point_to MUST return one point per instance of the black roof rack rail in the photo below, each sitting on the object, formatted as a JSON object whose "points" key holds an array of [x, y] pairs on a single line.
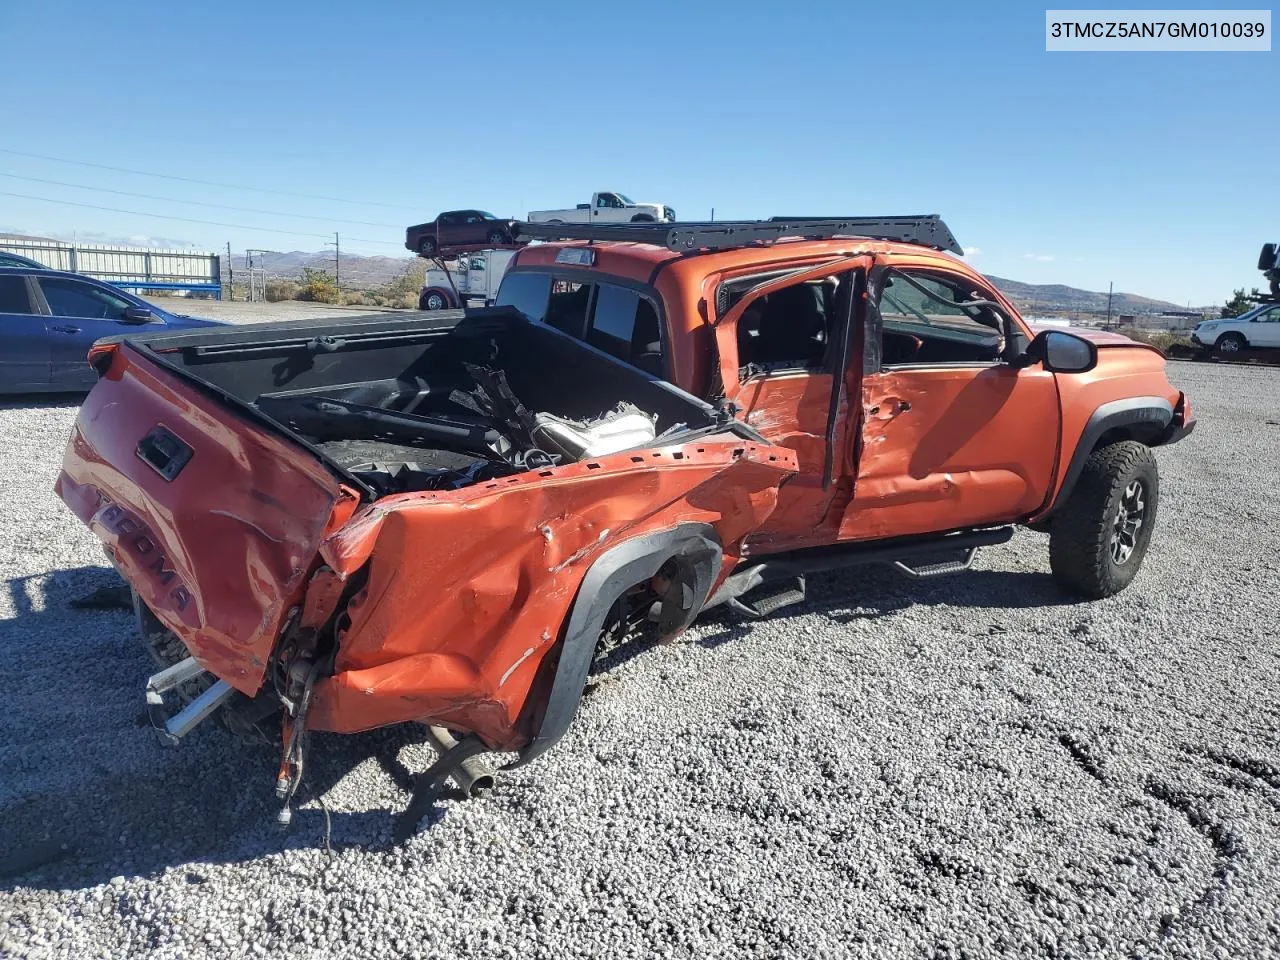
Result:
{"points": [[923, 230]]}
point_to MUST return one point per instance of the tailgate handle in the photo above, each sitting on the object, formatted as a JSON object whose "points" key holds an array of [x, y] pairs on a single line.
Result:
{"points": [[163, 452]]}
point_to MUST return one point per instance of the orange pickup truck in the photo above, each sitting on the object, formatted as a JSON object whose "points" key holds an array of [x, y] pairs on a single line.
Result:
{"points": [[439, 518]]}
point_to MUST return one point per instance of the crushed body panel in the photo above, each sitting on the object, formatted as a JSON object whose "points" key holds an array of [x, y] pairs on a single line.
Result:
{"points": [[467, 591], [220, 553]]}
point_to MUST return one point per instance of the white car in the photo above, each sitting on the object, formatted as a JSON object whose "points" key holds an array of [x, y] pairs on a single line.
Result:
{"points": [[607, 207], [1259, 328]]}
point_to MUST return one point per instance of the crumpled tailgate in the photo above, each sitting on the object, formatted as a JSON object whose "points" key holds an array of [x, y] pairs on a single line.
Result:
{"points": [[220, 551]]}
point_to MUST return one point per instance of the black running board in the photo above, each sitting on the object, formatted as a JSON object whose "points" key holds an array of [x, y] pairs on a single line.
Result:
{"points": [[926, 551]]}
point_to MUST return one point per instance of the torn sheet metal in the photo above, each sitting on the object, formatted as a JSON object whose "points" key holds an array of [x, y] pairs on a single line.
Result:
{"points": [[467, 590]]}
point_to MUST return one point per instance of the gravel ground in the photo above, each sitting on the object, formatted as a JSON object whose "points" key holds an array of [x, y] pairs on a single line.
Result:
{"points": [[975, 766]]}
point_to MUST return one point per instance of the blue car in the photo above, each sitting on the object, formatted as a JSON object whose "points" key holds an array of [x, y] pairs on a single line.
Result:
{"points": [[17, 260], [49, 319]]}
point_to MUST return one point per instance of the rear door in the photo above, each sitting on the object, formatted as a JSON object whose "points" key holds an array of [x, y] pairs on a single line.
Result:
{"points": [[24, 337], [80, 313], [789, 356], [448, 229]]}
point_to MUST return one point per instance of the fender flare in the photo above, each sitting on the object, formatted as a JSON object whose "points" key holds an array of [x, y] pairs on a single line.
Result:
{"points": [[613, 572], [1145, 418]]}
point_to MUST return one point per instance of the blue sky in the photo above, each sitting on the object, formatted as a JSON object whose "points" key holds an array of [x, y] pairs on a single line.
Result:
{"points": [[1155, 171]]}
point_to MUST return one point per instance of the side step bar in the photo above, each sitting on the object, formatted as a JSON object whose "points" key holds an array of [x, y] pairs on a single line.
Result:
{"points": [[172, 729], [935, 556], [939, 567]]}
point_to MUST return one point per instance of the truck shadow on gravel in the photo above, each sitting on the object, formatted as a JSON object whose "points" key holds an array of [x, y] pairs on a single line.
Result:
{"points": [[105, 799], [211, 800], [872, 592]]}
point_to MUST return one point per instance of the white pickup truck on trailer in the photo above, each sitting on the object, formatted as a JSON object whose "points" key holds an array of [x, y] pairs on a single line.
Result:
{"points": [[607, 207], [475, 279]]}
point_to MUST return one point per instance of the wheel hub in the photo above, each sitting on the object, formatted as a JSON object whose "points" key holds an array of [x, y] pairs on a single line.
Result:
{"points": [[1131, 511]]}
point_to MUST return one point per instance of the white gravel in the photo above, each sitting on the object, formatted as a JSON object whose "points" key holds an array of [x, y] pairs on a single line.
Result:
{"points": [[971, 767]]}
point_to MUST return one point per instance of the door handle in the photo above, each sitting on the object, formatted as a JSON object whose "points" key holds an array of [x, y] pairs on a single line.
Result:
{"points": [[65, 329]]}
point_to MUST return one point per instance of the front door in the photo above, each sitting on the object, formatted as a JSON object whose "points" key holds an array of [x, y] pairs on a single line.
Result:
{"points": [[789, 348], [1264, 331], [81, 313], [954, 435]]}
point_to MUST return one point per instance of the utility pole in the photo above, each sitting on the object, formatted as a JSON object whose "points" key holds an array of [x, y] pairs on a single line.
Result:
{"points": [[713, 214], [231, 275], [1110, 289], [337, 260]]}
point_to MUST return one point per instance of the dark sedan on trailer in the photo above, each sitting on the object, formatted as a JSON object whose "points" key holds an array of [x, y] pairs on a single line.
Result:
{"points": [[49, 319], [459, 228]]}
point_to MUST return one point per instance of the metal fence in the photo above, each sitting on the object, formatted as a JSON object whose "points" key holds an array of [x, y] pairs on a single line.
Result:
{"points": [[136, 268]]}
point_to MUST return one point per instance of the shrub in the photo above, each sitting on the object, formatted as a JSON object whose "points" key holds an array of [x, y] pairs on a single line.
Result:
{"points": [[318, 286], [1161, 339], [281, 290]]}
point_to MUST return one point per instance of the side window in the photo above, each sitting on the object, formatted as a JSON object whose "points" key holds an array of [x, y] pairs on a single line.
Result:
{"points": [[13, 295], [788, 329], [70, 299], [625, 325], [925, 320], [527, 292], [567, 308]]}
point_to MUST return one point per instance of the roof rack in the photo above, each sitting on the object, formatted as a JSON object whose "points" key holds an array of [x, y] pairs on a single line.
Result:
{"points": [[925, 230]]}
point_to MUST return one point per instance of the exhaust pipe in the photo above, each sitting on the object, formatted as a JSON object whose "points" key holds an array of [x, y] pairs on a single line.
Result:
{"points": [[471, 775], [172, 729]]}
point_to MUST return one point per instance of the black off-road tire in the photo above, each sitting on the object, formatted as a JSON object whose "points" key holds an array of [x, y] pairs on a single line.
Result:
{"points": [[427, 247], [497, 238], [1084, 537]]}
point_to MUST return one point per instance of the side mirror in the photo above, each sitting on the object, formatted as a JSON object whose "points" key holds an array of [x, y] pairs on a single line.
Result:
{"points": [[136, 315], [1062, 352]]}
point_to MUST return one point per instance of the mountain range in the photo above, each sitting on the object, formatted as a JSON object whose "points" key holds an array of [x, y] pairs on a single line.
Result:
{"points": [[1056, 298], [1032, 299]]}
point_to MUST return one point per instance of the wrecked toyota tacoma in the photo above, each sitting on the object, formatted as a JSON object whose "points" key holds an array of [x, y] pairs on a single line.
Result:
{"points": [[439, 518]]}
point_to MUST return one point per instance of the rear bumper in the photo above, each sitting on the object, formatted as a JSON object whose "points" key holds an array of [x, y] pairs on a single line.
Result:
{"points": [[1181, 424], [1177, 431]]}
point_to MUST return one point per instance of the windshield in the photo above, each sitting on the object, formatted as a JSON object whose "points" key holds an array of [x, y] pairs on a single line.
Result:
{"points": [[487, 215], [624, 198]]}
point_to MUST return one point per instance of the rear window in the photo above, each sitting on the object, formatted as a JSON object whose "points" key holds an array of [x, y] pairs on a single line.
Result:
{"points": [[567, 308], [13, 295], [620, 321], [527, 292]]}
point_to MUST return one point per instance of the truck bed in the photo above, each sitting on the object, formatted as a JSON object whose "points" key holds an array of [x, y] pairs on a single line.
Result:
{"points": [[218, 466], [428, 400]]}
